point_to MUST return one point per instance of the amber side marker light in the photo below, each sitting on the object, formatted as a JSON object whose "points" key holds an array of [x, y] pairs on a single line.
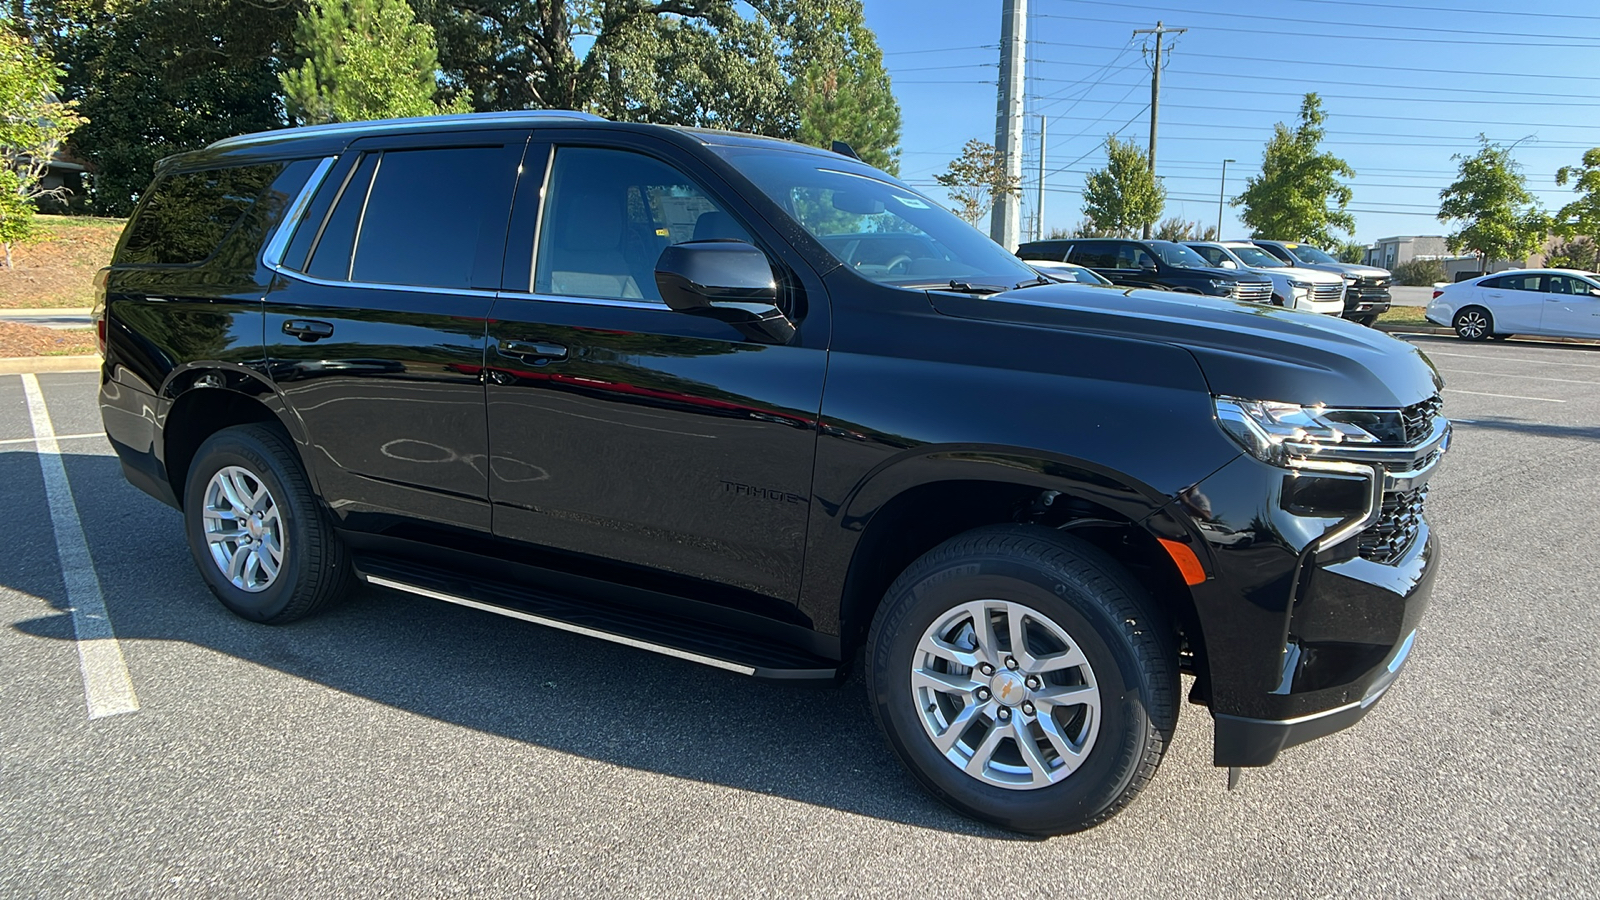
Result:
{"points": [[1188, 564]]}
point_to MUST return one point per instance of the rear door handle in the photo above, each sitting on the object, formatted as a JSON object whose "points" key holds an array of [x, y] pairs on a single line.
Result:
{"points": [[531, 351], [308, 329]]}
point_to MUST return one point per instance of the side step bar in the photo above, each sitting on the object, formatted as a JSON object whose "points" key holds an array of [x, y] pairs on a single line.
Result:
{"points": [[641, 629]]}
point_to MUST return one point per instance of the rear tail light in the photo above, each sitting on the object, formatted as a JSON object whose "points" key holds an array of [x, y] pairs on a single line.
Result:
{"points": [[1436, 294], [99, 313]]}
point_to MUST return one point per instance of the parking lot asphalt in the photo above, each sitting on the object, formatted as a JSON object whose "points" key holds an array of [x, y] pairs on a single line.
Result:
{"points": [[400, 747]]}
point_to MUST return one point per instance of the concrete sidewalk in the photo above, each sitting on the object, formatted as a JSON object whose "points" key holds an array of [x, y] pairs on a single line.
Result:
{"points": [[62, 317]]}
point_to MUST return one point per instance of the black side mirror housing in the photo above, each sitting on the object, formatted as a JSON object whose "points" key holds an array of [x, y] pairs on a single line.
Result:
{"points": [[730, 281]]}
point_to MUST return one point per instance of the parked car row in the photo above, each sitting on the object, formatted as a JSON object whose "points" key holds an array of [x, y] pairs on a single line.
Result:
{"points": [[1555, 302], [1283, 273]]}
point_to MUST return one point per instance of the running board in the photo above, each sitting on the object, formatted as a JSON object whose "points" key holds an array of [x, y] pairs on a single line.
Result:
{"points": [[678, 637]]}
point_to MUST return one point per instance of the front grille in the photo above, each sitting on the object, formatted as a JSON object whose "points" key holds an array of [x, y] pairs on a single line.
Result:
{"points": [[1396, 529], [1371, 288], [1322, 293], [1252, 291], [1417, 419]]}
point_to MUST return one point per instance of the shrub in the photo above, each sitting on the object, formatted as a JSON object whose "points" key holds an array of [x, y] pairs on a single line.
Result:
{"points": [[1419, 272]]}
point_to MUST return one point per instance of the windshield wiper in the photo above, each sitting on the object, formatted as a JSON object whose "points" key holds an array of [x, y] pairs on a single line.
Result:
{"points": [[968, 288], [1034, 283]]}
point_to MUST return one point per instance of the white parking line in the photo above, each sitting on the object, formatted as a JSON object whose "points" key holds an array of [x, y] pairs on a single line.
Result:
{"points": [[59, 437], [106, 683], [1510, 375], [1483, 357], [1507, 396]]}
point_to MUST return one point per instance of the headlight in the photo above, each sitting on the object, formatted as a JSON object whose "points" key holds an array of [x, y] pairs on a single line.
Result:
{"points": [[1300, 285], [1278, 432], [1349, 279], [1221, 284]]}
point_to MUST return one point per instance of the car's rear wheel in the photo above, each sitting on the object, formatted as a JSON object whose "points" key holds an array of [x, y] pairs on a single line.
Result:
{"points": [[1023, 678], [1473, 323], [259, 539]]}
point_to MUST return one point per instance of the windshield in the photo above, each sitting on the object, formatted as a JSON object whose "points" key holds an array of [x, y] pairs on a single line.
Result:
{"points": [[1180, 256], [1309, 254], [1258, 258], [878, 227]]}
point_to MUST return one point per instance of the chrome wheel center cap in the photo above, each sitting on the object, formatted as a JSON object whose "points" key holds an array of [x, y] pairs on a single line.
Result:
{"points": [[1008, 687]]}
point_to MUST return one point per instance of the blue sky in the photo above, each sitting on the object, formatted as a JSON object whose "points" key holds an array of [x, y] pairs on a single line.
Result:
{"points": [[1405, 85]]}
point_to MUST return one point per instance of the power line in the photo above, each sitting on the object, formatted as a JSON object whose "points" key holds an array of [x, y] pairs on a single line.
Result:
{"points": [[1566, 44], [1231, 90], [1457, 9], [941, 49], [1256, 17], [1341, 65]]}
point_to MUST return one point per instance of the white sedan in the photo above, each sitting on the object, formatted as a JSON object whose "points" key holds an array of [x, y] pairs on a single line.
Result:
{"points": [[1558, 302]]}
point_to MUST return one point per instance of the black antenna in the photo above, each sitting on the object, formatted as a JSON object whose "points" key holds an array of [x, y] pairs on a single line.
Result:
{"points": [[843, 149]]}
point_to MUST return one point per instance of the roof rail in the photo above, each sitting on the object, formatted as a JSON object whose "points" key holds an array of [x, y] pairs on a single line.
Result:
{"points": [[382, 126]]}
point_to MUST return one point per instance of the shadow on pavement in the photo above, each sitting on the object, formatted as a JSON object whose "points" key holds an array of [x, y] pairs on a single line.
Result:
{"points": [[1531, 429], [475, 670]]}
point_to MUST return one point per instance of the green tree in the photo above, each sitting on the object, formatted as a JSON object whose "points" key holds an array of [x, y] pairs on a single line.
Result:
{"points": [[33, 124], [364, 59], [1124, 197], [1351, 252], [841, 87], [1298, 195], [975, 179], [157, 77], [1498, 218], [1579, 253], [1581, 216], [1178, 229]]}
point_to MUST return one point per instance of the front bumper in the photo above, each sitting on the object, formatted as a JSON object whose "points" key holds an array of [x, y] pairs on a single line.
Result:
{"points": [[1360, 300], [1305, 621]]}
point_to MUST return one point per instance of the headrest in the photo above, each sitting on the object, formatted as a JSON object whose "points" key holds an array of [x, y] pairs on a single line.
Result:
{"points": [[717, 224]]}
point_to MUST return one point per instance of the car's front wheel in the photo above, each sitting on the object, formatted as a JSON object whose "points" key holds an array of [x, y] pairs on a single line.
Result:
{"points": [[1023, 677], [261, 543], [1474, 323]]}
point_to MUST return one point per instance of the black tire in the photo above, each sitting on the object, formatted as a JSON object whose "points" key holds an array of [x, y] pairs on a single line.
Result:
{"points": [[1367, 321], [1130, 647], [1499, 337], [1473, 323], [315, 567]]}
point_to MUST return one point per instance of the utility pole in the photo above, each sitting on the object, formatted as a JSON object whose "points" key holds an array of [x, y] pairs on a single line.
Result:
{"points": [[1160, 31], [1222, 192], [1005, 222], [1038, 206]]}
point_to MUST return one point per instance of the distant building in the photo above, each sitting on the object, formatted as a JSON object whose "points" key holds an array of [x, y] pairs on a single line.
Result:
{"points": [[1392, 251]]}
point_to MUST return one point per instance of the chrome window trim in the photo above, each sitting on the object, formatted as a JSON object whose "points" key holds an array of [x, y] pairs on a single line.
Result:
{"points": [[510, 118], [538, 218], [414, 288], [322, 227], [361, 219], [587, 301], [279, 242]]}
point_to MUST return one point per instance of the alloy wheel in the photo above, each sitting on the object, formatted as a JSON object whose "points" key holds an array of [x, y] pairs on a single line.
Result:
{"points": [[243, 528], [1006, 694], [1472, 325]]}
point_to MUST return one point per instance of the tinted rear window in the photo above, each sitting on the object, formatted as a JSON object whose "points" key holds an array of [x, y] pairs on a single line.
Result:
{"points": [[1094, 256], [425, 212], [187, 215]]}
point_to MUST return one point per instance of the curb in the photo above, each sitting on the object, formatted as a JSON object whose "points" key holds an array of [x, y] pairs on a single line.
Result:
{"points": [[18, 365], [1450, 332], [75, 312], [1413, 329]]}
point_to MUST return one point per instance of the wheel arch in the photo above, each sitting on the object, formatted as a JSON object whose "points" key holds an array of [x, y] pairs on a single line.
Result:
{"points": [[203, 398], [908, 509]]}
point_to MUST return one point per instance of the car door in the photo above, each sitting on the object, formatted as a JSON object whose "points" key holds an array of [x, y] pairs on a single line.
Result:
{"points": [[671, 450], [1571, 307], [375, 326], [1515, 301]]}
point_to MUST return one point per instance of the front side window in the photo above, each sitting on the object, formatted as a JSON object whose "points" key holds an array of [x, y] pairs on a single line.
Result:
{"points": [[1311, 255], [608, 215], [188, 215], [1257, 258], [1215, 257], [1179, 256], [877, 226], [1566, 284]]}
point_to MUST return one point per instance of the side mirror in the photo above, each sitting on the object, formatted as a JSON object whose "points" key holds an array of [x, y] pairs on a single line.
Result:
{"points": [[730, 281], [1148, 265]]}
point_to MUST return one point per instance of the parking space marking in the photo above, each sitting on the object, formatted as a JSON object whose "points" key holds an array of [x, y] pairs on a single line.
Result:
{"points": [[1484, 357], [59, 437], [1507, 396], [106, 684], [1529, 377]]}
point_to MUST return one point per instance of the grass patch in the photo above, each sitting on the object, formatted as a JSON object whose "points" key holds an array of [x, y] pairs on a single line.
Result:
{"points": [[1404, 315], [17, 339]]}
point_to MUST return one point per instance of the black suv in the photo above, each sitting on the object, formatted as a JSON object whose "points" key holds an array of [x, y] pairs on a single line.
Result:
{"points": [[1366, 293], [672, 388], [1163, 265]]}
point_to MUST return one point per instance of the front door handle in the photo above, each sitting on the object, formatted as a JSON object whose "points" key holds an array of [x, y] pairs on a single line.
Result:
{"points": [[308, 330], [531, 351]]}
